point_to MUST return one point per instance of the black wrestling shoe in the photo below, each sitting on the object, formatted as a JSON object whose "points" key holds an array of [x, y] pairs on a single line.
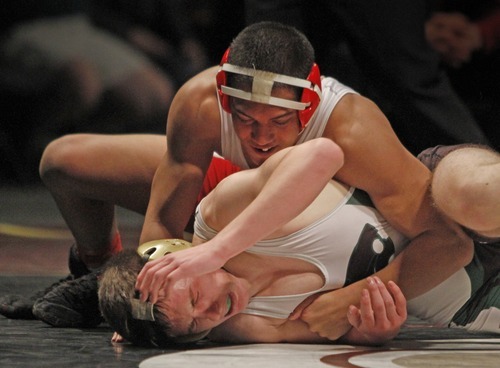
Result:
{"points": [[71, 304], [21, 307], [76, 266]]}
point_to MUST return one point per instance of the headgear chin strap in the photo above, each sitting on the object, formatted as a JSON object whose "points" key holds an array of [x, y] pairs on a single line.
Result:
{"points": [[262, 85]]}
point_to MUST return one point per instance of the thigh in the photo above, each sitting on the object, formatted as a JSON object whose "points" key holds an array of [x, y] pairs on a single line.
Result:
{"points": [[117, 169], [431, 156]]}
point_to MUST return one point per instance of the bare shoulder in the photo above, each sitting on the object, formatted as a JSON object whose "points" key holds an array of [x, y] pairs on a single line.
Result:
{"points": [[194, 117], [355, 119], [195, 104], [376, 161], [373, 153]]}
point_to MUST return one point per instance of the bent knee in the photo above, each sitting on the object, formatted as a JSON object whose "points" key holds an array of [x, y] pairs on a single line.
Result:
{"points": [[63, 156]]}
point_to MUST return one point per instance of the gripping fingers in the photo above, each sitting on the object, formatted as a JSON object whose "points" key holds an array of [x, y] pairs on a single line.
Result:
{"points": [[144, 275], [151, 279], [387, 306], [388, 303], [376, 290], [156, 282], [399, 299], [354, 316], [366, 310]]}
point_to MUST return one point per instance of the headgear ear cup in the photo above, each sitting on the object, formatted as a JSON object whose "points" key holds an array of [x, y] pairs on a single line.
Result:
{"points": [[158, 248], [311, 96], [221, 79]]}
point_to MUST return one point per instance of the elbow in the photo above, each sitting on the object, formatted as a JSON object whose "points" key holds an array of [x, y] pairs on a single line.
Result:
{"points": [[64, 159], [465, 247], [327, 155], [461, 246]]}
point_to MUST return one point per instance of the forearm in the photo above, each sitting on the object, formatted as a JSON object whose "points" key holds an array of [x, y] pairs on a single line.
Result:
{"points": [[286, 186], [438, 247], [420, 267], [427, 261], [172, 201]]}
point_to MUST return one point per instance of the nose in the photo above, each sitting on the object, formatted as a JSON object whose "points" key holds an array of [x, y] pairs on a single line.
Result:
{"points": [[262, 134]]}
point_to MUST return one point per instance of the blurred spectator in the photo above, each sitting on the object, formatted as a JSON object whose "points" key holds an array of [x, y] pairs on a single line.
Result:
{"points": [[457, 32], [215, 23], [59, 73], [466, 34], [182, 36], [379, 48], [163, 30]]}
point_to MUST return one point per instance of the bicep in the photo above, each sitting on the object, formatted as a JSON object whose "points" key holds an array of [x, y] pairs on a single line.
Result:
{"points": [[191, 142], [377, 162]]}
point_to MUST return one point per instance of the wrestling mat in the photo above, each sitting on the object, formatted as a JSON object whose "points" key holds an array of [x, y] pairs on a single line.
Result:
{"points": [[444, 353], [34, 243]]}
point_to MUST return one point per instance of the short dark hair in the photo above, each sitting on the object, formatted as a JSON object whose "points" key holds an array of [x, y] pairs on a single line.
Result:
{"points": [[272, 47], [116, 290]]}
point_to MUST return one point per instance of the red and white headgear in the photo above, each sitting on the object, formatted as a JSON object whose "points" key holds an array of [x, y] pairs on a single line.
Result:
{"points": [[262, 85]]}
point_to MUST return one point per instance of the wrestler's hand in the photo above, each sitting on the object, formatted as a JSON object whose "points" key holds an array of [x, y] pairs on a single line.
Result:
{"points": [[326, 314], [117, 337], [381, 314], [191, 262]]}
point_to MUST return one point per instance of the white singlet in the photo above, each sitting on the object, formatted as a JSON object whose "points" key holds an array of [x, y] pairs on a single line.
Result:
{"points": [[348, 244]]}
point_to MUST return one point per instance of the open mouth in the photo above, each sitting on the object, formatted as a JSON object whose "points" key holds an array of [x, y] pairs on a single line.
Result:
{"points": [[264, 150], [229, 304]]}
